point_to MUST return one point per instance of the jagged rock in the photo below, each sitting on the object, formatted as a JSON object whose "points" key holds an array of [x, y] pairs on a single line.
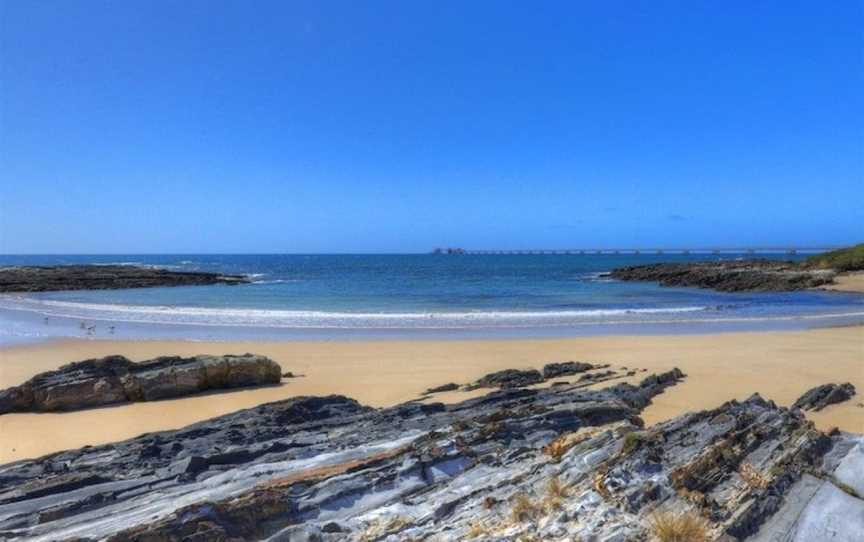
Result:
{"points": [[442, 388], [730, 276], [115, 379], [103, 277], [600, 375], [509, 378], [827, 394], [554, 370], [557, 463]]}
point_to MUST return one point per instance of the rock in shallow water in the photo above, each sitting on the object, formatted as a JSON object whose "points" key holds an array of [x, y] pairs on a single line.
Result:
{"points": [[115, 379]]}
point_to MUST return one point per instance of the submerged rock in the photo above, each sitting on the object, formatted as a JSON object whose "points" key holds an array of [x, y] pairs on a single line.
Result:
{"points": [[116, 379], [827, 394], [103, 277]]}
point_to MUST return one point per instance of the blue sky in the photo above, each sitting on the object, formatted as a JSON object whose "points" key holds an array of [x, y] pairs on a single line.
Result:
{"points": [[215, 126]]}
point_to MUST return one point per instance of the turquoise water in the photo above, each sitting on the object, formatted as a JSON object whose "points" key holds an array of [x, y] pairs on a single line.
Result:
{"points": [[337, 296]]}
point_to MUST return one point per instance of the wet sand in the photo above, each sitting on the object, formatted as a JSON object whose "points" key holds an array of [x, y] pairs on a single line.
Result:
{"points": [[779, 365]]}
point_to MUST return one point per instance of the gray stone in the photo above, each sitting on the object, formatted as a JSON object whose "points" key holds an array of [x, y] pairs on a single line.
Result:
{"points": [[115, 379]]}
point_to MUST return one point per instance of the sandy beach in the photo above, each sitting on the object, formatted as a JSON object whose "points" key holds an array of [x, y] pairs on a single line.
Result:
{"points": [[848, 282], [779, 365]]}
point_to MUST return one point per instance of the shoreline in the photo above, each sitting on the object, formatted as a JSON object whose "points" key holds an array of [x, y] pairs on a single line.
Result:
{"points": [[780, 365]]}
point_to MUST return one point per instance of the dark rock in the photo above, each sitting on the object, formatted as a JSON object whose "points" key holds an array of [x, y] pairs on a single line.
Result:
{"points": [[288, 374], [115, 379], [190, 465], [827, 394], [332, 527], [444, 387], [600, 375], [510, 378], [554, 370], [103, 277], [730, 276]]}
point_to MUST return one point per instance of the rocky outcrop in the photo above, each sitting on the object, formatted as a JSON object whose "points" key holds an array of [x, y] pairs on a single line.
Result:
{"points": [[316, 462], [558, 463], [730, 276], [827, 394], [509, 378], [103, 277], [566, 368], [115, 379], [451, 386]]}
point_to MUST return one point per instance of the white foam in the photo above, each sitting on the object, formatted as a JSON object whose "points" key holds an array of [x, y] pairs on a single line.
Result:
{"points": [[314, 319]]}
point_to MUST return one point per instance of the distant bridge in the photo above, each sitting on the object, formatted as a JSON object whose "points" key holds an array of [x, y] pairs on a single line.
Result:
{"points": [[649, 250]]}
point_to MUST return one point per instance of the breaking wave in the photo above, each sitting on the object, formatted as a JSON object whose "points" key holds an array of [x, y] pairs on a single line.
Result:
{"points": [[317, 319]]}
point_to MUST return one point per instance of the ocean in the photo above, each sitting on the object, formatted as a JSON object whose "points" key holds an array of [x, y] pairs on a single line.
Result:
{"points": [[424, 295]]}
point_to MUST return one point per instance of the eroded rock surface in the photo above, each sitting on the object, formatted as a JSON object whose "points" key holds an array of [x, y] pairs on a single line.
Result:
{"points": [[730, 276], [116, 379], [304, 462], [827, 394], [558, 463], [103, 277]]}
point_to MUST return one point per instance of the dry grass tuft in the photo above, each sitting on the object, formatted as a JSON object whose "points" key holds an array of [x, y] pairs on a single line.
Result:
{"points": [[558, 447], [379, 529], [477, 529], [599, 485], [525, 509], [678, 527], [555, 488], [752, 477], [556, 492]]}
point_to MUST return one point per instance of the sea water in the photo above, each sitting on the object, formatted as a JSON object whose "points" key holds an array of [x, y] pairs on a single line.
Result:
{"points": [[422, 295]]}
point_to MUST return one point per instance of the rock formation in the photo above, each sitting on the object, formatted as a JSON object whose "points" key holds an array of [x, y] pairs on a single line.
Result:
{"points": [[103, 277], [115, 379], [566, 368], [827, 394], [558, 463], [730, 276], [509, 378]]}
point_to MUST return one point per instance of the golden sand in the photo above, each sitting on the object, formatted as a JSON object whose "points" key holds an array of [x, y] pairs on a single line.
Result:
{"points": [[848, 282], [720, 367]]}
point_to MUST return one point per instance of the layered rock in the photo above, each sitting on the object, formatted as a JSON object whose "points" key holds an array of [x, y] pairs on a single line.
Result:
{"points": [[103, 277], [115, 379], [509, 378], [730, 276], [559, 463], [301, 462], [566, 368], [827, 394]]}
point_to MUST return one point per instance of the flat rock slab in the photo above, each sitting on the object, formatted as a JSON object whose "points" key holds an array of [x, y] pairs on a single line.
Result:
{"points": [[116, 379], [103, 277]]}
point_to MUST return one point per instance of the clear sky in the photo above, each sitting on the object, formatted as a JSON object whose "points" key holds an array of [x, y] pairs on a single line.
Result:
{"points": [[321, 126]]}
